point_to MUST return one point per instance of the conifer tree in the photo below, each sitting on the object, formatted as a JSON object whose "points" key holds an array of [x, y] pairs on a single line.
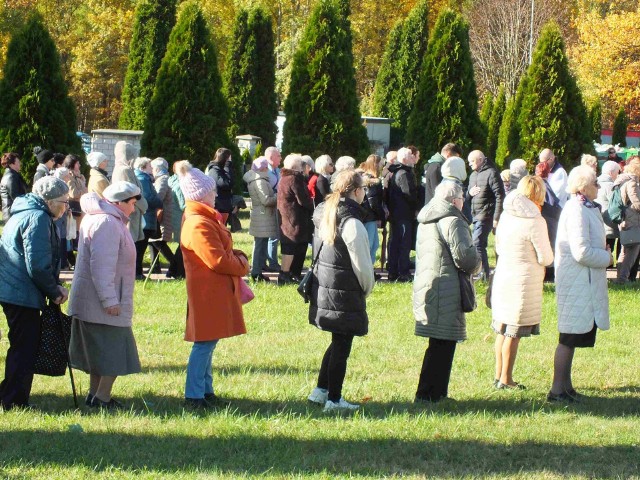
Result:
{"points": [[553, 114], [322, 106], [187, 115], [35, 109], [595, 119], [509, 133], [495, 121], [399, 75], [154, 20], [620, 124], [485, 111], [446, 104], [250, 77]]}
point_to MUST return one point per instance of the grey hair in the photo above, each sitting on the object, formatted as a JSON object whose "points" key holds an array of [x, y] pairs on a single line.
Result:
{"points": [[580, 178], [448, 191], [323, 162], [160, 163], [610, 167], [518, 167], [345, 163], [589, 161], [293, 161], [270, 150], [307, 160], [141, 163]]}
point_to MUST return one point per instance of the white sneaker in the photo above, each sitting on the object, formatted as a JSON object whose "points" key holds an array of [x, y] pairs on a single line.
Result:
{"points": [[319, 396], [341, 404]]}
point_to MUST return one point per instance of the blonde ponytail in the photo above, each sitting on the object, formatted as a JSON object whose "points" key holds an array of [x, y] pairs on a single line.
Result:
{"points": [[346, 182]]}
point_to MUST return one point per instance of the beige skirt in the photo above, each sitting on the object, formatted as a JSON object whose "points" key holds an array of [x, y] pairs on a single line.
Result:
{"points": [[103, 350]]}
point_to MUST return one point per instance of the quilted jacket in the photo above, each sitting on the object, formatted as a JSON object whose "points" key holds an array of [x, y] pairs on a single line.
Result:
{"points": [[436, 288], [523, 249], [165, 194], [630, 192], [581, 277], [124, 171], [263, 205]]}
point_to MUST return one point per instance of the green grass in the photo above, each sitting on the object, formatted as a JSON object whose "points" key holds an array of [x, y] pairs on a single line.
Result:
{"points": [[270, 431]]}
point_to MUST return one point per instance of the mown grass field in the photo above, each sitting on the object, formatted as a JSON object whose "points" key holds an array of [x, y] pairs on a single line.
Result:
{"points": [[270, 431]]}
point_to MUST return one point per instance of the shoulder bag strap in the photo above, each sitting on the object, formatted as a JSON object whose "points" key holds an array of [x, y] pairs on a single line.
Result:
{"points": [[446, 245]]}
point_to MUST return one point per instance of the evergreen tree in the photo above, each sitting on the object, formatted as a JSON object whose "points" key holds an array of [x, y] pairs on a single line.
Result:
{"points": [[509, 133], [620, 124], [152, 26], [595, 120], [495, 122], [187, 115], [446, 104], [553, 114], [35, 109], [399, 74], [485, 112], [322, 106], [250, 77]]}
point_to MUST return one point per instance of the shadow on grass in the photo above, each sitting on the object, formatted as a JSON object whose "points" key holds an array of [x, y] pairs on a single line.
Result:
{"points": [[284, 455], [234, 369]]}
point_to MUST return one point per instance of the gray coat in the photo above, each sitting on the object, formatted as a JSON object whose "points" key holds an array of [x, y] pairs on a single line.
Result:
{"points": [[124, 171], [436, 288], [165, 194], [263, 205]]}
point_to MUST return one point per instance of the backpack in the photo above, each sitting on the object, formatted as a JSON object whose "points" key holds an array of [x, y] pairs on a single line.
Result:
{"points": [[615, 211]]}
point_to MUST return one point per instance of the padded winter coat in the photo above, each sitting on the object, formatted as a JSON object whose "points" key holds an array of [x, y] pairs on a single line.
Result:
{"points": [[263, 222], [523, 248], [12, 186], [630, 193], [373, 200], [224, 185], [98, 181], [165, 194], [124, 171], [323, 188], [581, 276], [149, 219], [604, 197], [432, 176], [436, 288], [29, 254], [105, 268], [295, 207], [402, 192], [178, 206], [487, 204]]}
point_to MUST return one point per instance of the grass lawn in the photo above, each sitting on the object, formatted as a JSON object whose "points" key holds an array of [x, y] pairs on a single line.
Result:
{"points": [[270, 431]]}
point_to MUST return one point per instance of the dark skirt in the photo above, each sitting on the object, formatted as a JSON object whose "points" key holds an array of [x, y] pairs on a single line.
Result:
{"points": [[579, 340], [103, 350]]}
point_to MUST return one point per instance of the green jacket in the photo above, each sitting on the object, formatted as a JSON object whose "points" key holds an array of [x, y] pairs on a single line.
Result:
{"points": [[436, 288]]}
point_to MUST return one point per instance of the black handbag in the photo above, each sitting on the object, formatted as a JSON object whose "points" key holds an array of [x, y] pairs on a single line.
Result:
{"points": [[467, 290], [53, 353], [304, 287]]}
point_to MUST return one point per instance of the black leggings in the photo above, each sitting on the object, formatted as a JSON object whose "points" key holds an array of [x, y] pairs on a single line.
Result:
{"points": [[141, 247], [160, 247], [436, 370], [334, 365]]}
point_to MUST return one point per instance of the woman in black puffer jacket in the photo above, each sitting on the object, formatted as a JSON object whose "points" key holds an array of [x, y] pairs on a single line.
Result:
{"points": [[373, 202], [12, 184], [221, 170]]}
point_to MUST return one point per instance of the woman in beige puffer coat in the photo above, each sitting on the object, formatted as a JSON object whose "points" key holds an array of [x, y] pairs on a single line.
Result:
{"points": [[523, 248]]}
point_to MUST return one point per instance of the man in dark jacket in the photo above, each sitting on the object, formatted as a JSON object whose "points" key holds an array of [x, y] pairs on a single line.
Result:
{"points": [[432, 174], [402, 203], [486, 192]]}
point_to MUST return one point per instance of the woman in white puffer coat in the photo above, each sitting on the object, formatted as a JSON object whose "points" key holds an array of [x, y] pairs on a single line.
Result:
{"points": [[523, 248]]}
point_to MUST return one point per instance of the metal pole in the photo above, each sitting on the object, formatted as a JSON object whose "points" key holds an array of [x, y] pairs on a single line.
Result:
{"points": [[533, 3]]}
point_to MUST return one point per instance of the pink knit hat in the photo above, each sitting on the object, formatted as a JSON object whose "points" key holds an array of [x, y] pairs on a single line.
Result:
{"points": [[194, 184]]}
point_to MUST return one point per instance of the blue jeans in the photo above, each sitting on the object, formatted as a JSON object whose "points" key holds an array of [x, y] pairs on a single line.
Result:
{"points": [[199, 373], [259, 257], [372, 231], [401, 233], [481, 231], [272, 253]]}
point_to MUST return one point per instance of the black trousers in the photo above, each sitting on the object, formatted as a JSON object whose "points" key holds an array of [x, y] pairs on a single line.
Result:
{"points": [[176, 266], [298, 259], [334, 365], [24, 339], [160, 247], [141, 247], [433, 384], [612, 245]]}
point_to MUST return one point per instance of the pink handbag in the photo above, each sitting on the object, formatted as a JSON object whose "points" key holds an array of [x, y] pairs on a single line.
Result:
{"points": [[246, 294]]}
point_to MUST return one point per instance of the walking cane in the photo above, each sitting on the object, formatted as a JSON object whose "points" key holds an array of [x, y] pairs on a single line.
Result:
{"points": [[153, 264]]}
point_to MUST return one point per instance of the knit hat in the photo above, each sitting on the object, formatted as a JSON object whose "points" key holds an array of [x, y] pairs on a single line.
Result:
{"points": [[50, 187], [259, 163], [121, 191], [44, 156], [96, 158], [454, 168], [194, 184]]}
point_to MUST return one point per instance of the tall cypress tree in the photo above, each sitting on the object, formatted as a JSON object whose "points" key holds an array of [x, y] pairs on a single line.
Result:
{"points": [[35, 109], [250, 77], [553, 114], [187, 115], [399, 75], [509, 133], [152, 26], [620, 124], [495, 121], [595, 120], [322, 106], [485, 111], [446, 104]]}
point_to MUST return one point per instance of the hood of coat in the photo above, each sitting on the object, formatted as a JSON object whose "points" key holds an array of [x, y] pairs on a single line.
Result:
{"points": [[438, 209], [124, 153], [437, 158], [623, 177], [93, 204], [518, 205], [251, 176], [29, 202]]}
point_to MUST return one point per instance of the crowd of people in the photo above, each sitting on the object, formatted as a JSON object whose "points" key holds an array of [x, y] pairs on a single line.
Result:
{"points": [[548, 225]]}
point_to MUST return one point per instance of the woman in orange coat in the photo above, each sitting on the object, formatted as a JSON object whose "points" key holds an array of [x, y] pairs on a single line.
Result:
{"points": [[214, 271]]}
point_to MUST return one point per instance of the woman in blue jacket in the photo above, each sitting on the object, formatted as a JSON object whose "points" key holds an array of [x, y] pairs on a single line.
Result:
{"points": [[144, 174], [29, 269]]}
